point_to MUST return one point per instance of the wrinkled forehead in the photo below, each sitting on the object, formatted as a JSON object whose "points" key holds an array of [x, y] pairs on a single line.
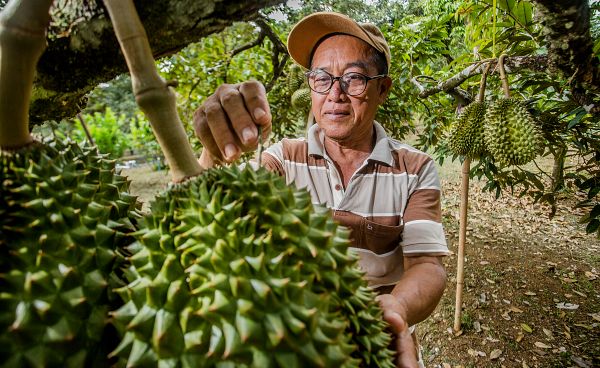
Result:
{"points": [[356, 50]]}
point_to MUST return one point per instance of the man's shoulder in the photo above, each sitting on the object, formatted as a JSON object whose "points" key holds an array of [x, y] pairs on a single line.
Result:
{"points": [[408, 157], [404, 148], [289, 149]]}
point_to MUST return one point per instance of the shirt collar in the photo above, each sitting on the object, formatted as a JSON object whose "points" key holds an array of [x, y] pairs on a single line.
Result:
{"points": [[381, 152]]}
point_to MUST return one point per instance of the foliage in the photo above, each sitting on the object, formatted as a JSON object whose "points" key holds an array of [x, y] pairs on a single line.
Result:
{"points": [[116, 94], [142, 140], [105, 130], [568, 128]]}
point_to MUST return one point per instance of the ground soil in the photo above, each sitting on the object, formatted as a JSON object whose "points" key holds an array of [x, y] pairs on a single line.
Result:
{"points": [[532, 284]]}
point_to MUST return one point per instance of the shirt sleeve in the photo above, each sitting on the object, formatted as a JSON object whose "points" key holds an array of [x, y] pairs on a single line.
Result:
{"points": [[423, 231], [272, 158]]}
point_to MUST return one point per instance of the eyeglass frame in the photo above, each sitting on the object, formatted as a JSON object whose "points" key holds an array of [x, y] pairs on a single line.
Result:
{"points": [[339, 79]]}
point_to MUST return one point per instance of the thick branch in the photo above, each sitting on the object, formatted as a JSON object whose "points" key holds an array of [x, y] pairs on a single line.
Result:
{"points": [[570, 46], [152, 93], [22, 41], [75, 63], [511, 64]]}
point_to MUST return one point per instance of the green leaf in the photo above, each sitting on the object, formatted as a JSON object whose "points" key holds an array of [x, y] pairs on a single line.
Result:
{"points": [[592, 226]]}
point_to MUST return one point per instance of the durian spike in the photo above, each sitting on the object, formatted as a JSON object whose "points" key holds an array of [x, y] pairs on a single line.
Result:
{"points": [[22, 41], [503, 77], [464, 208], [152, 93]]}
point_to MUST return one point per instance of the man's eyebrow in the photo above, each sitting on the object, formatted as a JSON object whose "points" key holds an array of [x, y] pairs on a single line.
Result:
{"points": [[357, 64], [354, 64]]}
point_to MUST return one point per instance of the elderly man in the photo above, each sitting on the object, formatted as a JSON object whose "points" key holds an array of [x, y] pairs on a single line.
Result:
{"points": [[387, 192]]}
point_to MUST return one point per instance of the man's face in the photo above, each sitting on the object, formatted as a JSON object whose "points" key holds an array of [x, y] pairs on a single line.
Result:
{"points": [[346, 118]]}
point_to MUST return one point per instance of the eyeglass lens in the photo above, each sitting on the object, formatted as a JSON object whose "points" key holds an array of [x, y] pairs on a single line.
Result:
{"points": [[351, 83]]}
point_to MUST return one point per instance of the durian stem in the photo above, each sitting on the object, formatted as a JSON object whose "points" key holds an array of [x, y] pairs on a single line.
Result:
{"points": [[482, 83], [464, 211], [462, 236], [152, 93], [22, 41], [503, 77]]}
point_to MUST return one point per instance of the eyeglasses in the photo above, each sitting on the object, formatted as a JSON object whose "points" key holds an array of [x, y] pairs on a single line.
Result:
{"points": [[352, 83]]}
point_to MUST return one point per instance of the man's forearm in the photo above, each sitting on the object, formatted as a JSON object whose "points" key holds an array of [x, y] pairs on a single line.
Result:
{"points": [[420, 289]]}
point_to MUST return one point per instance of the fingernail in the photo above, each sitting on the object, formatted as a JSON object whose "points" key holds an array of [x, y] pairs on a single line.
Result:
{"points": [[248, 134], [259, 113], [230, 151]]}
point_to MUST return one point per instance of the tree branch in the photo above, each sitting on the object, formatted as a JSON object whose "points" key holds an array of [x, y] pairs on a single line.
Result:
{"points": [[511, 64], [278, 49]]}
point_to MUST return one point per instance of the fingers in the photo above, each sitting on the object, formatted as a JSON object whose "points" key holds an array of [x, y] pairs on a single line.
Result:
{"points": [[226, 123], [202, 131], [255, 98], [404, 344]]}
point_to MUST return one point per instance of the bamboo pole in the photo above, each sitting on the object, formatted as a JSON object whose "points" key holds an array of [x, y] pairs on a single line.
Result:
{"points": [[22, 41], [152, 93], [464, 209]]}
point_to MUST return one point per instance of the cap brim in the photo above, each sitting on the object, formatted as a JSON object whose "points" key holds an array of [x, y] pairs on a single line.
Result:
{"points": [[310, 30]]}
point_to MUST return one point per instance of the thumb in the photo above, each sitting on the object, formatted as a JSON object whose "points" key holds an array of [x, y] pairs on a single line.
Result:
{"points": [[404, 344]]}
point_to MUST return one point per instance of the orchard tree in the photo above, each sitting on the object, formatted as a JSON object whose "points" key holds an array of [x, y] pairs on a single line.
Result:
{"points": [[439, 47]]}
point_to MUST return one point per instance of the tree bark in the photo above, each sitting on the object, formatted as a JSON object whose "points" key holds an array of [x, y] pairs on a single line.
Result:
{"points": [[570, 46], [89, 53]]}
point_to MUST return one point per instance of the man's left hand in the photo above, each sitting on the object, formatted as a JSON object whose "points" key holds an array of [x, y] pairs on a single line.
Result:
{"points": [[393, 313]]}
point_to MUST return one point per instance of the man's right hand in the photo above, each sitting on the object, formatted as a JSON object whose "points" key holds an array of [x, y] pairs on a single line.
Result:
{"points": [[227, 122]]}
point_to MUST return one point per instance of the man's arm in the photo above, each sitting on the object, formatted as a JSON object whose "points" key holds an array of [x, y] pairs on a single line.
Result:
{"points": [[421, 287]]}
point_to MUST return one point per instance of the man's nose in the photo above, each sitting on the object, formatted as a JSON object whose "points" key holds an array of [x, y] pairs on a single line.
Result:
{"points": [[336, 92]]}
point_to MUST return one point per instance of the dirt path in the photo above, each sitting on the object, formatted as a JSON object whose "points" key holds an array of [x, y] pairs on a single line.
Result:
{"points": [[532, 285]]}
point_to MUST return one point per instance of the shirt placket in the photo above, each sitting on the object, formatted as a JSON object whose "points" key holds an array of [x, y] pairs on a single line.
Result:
{"points": [[335, 183]]}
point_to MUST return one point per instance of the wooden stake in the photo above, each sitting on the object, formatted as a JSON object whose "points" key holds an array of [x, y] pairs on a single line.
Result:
{"points": [[22, 41], [462, 236], [152, 93], [464, 209]]}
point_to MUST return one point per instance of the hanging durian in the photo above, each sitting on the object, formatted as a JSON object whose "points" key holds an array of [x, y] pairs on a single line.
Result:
{"points": [[466, 135], [233, 268], [295, 77], [511, 134], [64, 215], [301, 99]]}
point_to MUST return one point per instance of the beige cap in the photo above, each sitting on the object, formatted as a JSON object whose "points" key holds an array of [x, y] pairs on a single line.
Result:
{"points": [[311, 29]]}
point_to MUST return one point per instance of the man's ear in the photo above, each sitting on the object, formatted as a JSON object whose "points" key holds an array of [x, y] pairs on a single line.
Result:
{"points": [[384, 88]]}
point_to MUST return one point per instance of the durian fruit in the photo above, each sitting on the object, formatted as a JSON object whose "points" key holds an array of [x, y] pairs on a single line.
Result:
{"points": [[295, 77], [236, 269], [466, 134], [301, 98], [65, 213], [511, 135]]}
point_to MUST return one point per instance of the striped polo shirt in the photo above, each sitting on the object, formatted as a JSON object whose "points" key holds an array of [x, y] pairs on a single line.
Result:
{"points": [[391, 203]]}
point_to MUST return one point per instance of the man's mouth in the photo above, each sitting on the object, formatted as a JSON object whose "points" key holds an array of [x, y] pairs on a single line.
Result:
{"points": [[337, 113]]}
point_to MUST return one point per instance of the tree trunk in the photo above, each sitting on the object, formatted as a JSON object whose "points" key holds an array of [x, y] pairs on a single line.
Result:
{"points": [[88, 53]]}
